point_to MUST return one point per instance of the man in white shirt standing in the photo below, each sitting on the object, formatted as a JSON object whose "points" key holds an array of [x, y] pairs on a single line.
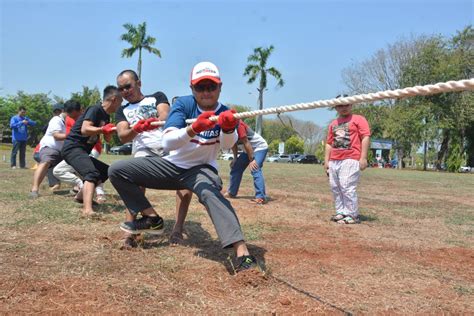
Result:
{"points": [[190, 165]]}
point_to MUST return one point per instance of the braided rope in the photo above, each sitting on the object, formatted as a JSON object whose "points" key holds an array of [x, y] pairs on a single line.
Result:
{"points": [[450, 86]]}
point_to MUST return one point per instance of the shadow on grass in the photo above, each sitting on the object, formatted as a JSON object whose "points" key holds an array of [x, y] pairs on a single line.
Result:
{"points": [[206, 246], [367, 218], [62, 193]]}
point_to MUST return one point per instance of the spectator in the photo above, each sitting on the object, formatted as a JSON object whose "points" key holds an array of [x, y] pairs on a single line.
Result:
{"points": [[346, 152], [19, 125]]}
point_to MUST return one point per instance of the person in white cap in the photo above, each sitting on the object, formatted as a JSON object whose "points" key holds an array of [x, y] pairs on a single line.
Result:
{"points": [[190, 165]]}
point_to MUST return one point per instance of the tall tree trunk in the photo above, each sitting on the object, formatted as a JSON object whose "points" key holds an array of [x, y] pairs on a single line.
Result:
{"points": [[425, 145], [443, 150], [470, 146], [140, 63], [259, 123], [400, 158]]}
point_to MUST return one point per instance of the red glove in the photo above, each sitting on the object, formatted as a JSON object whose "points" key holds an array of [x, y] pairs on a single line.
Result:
{"points": [[145, 125], [227, 121], [108, 129], [203, 123]]}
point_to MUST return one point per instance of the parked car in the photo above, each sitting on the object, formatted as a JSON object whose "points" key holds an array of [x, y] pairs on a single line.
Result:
{"points": [[466, 169], [125, 149], [293, 157], [279, 158], [307, 159]]}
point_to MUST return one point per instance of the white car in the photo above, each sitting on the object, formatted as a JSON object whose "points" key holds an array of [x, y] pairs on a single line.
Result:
{"points": [[279, 158], [465, 169]]}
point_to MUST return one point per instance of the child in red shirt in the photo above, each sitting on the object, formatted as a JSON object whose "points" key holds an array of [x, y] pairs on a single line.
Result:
{"points": [[347, 146]]}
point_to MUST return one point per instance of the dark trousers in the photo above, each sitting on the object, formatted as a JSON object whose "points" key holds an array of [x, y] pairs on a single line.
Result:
{"points": [[127, 176], [88, 167], [18, 145], [52, 180]]}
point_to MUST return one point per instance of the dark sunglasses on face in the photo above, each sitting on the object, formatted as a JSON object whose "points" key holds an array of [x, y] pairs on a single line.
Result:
{"points": [[210, 87], [125, 87]]}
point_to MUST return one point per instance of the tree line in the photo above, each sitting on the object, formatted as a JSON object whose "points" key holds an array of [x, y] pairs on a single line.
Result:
{"points": [[442, 125]]}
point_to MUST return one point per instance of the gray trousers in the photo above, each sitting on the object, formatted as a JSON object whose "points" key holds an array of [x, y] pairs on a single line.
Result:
{"points": [[157, 173]]}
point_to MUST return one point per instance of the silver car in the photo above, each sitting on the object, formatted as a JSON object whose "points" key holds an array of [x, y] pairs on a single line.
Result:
{"points": [[279, 158]]}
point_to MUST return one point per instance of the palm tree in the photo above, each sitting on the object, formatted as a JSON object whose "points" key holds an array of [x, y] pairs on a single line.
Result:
{"points": [[136, 36], [258, 68]]}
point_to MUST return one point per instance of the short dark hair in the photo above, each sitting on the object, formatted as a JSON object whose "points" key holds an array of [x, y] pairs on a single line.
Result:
{"points": [[131, 72], [21, 108], [72, 105], [110, 91]]}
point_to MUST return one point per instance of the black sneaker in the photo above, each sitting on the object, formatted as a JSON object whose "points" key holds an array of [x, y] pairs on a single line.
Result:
{"points": [[146, 224], [245, 263]]}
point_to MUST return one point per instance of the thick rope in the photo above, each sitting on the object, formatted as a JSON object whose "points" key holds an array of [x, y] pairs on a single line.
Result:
{"points": [[450, 86]]}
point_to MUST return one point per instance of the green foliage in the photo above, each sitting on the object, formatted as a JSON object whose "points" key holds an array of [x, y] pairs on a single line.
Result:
{"points": [[87, 96], [436, 119], [250, 121], [274, 130], [320, 150], [455, 158], [38, 108], [273, 146], [376, 115], [294, 144]]}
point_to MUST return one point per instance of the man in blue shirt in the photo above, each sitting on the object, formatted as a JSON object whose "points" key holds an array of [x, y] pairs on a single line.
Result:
{"points": [[190, 165], [19, 125]]}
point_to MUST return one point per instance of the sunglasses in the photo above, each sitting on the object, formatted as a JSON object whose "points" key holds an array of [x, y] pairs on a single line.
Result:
{"points": [[210, 87], [125, 87]]}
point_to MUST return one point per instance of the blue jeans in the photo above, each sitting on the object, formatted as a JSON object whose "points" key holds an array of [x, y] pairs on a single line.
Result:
{"points": [[238, 169], [18, 145]]}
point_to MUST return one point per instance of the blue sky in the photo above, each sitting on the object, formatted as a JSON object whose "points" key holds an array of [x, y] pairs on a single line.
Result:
{"points": [[59, 46]]}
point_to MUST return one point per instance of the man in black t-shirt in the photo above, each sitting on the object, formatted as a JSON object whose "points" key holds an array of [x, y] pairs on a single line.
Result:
{"points": [[82, 138]]}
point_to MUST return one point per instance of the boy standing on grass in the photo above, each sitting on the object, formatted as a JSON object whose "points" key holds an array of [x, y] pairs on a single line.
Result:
{"points": [[345, 156]]}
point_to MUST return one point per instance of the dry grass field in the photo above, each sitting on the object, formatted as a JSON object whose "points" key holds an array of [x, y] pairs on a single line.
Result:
{"points": [[412, 253]]}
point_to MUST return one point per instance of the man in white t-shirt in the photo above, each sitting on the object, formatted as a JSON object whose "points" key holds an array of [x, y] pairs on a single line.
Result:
{"points": [[147, 139], [50, 146]]}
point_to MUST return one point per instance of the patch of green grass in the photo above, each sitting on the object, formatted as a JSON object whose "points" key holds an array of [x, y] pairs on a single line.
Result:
{"points": [[464, 290], [252, 231], [460, 218], [456, 242], [255, 231], [44, 211]]}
